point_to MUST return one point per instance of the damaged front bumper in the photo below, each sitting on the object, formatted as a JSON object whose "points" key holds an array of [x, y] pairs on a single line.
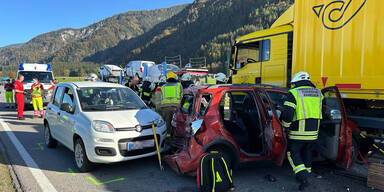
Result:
{"points": [[187, 161]]}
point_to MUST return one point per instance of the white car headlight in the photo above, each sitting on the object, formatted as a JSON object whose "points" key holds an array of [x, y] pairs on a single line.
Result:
{"points": [[159, 122], [102, 126]]}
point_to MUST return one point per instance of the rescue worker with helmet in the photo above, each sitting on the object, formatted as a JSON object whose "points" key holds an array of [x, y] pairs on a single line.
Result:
{"points": [[186, 80], [145, 91], [92, 77], [301, 117], [221, 78], [37, 98], [171, 94]]}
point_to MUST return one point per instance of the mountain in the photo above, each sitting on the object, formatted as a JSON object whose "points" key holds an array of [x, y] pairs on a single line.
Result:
{"points": [[205, 28], [72, 45]]}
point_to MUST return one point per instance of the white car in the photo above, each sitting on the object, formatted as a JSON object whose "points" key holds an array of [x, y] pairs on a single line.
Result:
{"points": [[110, 73], [101, 123], [156, 71], [136, 68]]}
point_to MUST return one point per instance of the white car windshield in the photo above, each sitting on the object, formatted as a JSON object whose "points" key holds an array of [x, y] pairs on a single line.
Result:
{"points": [[108, 99]]}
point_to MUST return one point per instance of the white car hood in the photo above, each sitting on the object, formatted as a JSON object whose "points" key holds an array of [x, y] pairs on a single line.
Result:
{"points": [[124, 119]]}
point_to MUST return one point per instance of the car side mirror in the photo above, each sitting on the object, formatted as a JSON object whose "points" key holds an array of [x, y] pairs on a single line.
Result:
{"points": [[66, 107]]}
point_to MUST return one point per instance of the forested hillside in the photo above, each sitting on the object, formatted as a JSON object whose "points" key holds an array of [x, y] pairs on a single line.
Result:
{"points": [[205, 28]]}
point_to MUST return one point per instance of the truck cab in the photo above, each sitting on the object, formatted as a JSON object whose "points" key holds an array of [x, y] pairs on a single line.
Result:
{"points": [[43, 72]]}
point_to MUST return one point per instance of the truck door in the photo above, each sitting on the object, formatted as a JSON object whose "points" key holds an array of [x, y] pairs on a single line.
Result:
{"points": [[334, 139]]}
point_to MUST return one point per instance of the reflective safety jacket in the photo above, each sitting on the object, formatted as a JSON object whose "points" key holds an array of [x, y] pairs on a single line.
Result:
{"points": [[37, 90], [171, 94], [211, 81], [145, 91], [302, 113]]}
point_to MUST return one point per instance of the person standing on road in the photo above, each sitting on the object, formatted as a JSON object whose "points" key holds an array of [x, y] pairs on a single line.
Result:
{"points": [[221, 78], [133, 84], [8, 87], [53, 84], [171, 94], [301, 116], [145, 91], [186, 80], [19, 95], [37, 98]]}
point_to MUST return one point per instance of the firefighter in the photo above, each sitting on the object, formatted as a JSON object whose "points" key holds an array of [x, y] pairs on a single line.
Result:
{"points": [[221, 78], [157, 95], [301, 116], [19, 95], [186, 80], [8, 87], [37, 98], [171, 94], [145, 91], [92, 77]]}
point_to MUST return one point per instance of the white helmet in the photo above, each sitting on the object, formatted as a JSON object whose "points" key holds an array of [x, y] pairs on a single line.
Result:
{"points": [[186, 77], [221, 77], [300, 76], [91, 77]]}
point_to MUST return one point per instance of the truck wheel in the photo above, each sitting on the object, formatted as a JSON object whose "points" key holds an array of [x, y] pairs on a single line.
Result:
{"points": [[49, 141], [81, 160]]}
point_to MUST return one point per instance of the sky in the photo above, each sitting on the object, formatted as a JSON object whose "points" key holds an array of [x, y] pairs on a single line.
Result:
{"points": [[21, 20]]}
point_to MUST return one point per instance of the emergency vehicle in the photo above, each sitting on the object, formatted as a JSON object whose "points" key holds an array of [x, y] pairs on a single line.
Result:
{"points": [[43, 72]]}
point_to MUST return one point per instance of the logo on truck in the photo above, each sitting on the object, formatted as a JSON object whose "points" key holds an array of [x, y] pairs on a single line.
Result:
{"points": [[336, 14]]}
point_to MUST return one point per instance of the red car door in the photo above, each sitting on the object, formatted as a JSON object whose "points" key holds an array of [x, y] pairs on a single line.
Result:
{"points": [[335, 137], [274, 131]]}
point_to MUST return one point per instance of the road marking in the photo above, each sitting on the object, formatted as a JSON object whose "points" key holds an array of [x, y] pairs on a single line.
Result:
{"points": [[69, 171], [41, 147], [110, 181], [39, 176]]}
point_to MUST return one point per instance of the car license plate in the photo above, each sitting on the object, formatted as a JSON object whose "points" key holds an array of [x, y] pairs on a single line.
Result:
{"points": [[140, 144]]}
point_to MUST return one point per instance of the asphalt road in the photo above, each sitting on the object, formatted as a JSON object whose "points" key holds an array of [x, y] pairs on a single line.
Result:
{"points": [[55, 167]]}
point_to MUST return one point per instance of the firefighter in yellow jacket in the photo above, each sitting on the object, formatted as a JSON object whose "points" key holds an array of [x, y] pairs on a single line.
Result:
{"points": [[37, 98], [171, 94], [301, 116]]}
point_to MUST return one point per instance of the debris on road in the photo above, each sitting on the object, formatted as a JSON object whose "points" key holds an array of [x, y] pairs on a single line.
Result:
{"points": [[270, 178]]}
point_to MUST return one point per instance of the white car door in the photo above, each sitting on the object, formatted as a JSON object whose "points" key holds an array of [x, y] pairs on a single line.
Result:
{"points": [[54, 113], [67, 117]]}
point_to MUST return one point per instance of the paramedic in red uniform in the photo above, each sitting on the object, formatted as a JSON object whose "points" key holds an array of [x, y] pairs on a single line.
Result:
{"points": [[19, 94]]}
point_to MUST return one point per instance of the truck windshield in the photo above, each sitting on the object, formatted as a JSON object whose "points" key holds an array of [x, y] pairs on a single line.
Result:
{"points": [[43, 77], [108, 99]]}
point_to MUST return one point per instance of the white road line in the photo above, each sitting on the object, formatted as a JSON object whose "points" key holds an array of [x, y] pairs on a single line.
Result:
{"points": [[40, 178]]}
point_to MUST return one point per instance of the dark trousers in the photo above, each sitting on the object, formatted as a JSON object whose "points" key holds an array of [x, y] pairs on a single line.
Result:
{"points": [[299, 154]]}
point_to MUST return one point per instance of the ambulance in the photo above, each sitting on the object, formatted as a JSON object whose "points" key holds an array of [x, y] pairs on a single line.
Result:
{"points": [[43, 72]]}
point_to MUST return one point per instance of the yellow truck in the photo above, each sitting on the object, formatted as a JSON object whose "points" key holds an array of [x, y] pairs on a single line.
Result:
{"points": [[338, 42]]}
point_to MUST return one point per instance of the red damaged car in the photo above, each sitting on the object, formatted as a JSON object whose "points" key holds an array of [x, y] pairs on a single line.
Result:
{"points": [[242, 122]]}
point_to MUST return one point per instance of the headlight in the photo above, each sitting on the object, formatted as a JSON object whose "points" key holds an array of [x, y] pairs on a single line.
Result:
{"points": [[159, 122], [102, 126]]}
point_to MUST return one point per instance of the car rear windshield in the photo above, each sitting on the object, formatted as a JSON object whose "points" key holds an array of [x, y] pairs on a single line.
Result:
{"points": [[108, 99], [43, 77]]}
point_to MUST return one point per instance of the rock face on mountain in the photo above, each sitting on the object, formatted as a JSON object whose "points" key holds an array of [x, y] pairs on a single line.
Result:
{"points": [[205, 28]]}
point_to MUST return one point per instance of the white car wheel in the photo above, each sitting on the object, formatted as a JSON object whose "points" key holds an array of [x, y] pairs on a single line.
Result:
{"points": [[49, 141], [81, 159]]}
